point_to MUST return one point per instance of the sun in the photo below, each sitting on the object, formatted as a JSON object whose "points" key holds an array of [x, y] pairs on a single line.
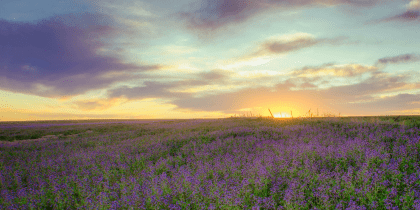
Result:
{"points": [[282, 115]]}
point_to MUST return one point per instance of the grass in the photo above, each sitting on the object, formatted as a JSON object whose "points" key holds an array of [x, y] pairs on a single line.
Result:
{"points": [[235, 163]]}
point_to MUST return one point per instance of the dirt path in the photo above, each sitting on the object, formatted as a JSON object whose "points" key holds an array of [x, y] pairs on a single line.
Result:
{"points": [[47, 137]]}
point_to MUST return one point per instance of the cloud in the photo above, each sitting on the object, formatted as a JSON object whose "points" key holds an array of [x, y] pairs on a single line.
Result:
{"points": [[296, 91], [58, 56], [308, 85], [406, 58], [391, 104], [150, 90], [212, 15], [406, 16], [299, 89], [377, 83], [413, 5], [97, 104], [215, 14], [348, 70], [215, 75], [169, 90], [284, 46], [230, 101], [350, 99], [412, 13], [278, 45]]}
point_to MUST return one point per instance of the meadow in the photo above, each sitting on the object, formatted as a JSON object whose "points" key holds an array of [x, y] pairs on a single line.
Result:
{"points": [[233, 163]]}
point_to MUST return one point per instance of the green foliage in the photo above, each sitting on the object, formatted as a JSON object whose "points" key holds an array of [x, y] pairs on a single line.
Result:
{"points": [[174, 148], [67, 143], [157, 131], [88, 144], [69, 132], [161, 169], [235, 134], [407, 165], [412, 123], [374, 162], [137, 165], [141, 132], [206, 139], [34, 135], [264, 190]]}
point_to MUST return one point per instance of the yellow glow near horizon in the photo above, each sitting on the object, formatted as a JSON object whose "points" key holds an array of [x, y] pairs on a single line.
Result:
{"points": [[282, 115]]}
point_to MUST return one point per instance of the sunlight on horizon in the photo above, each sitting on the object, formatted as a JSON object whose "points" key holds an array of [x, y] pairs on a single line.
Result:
{"points": [[282, 115]]}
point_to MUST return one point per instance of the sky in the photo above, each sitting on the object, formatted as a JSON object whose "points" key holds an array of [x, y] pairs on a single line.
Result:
{"points": [[184, 59]]}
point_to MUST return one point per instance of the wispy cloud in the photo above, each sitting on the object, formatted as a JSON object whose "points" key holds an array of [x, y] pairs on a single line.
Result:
{"points": [[284, 45], [97, 104], [406, 58], [348, 70]]}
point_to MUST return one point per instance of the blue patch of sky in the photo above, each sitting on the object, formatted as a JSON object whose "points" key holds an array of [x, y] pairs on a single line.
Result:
{"points": [[29, 11]]}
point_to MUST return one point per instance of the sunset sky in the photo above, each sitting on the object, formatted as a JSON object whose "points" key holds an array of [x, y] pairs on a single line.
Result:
{"points": [[181, 59]]}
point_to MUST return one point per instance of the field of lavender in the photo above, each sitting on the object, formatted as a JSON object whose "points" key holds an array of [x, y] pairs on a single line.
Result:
{"points": [[322, 163]]}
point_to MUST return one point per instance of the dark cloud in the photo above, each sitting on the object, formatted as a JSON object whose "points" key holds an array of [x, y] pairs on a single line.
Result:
{"points": [[411, 14], [406, 58], [282, 47], [58, 56], [214, 75], [150, 90], [276, 47], [214, 14]]}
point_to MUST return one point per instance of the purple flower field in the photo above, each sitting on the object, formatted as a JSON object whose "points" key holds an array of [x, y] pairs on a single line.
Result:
{"points": [[215, 164]]}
